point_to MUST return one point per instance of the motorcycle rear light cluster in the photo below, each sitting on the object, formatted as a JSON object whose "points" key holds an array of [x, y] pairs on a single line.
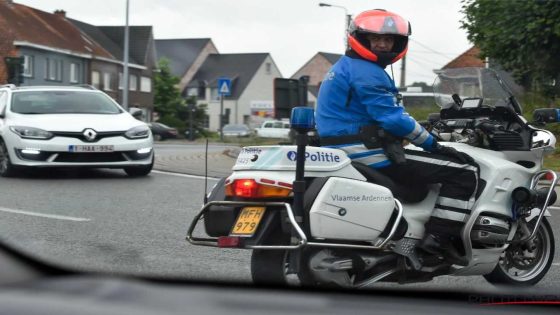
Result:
{"points": [[229, 241], [249, 188]]}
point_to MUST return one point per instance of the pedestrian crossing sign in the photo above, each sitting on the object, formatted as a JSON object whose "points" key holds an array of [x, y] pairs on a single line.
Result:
{"points": [[224, 86]]}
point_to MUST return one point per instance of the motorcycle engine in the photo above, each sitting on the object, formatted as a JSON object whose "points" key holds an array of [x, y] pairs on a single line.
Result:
{"points": [[489, 231]]}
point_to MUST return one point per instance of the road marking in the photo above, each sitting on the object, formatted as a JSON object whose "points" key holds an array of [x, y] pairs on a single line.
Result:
{"points": [[44, 215], [187, 175], [553, 208], [556, 264]]}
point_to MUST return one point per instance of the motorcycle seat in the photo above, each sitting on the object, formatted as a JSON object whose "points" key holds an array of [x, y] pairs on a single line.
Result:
{"points": [[408, 193]]}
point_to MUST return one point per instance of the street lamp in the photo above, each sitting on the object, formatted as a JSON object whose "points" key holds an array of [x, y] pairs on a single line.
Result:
{"points": [[348, 17], [125, 63]]}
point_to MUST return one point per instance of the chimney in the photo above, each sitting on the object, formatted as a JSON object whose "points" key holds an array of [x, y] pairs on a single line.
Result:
{"points": [[60, 13]]}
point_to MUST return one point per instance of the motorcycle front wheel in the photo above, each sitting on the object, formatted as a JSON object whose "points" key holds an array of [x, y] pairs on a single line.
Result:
{"points": [[526, 264]]}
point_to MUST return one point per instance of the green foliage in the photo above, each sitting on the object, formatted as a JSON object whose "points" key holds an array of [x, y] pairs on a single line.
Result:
{"points": [[167, 97], [173, 109], [522, 36]]}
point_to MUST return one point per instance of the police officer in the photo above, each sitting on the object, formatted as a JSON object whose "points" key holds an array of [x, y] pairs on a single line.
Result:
{"points": [[357, 95]]}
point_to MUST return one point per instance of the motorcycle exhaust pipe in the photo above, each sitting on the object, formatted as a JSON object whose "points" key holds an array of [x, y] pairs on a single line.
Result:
{"points": [[531, 197]]}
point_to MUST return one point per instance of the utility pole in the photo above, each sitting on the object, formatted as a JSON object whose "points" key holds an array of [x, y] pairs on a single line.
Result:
{"points": [[403, 72], [125, 66]]}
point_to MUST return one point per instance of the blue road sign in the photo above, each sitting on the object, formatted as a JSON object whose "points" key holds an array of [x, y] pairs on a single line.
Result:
{"points": [[224, 86]]}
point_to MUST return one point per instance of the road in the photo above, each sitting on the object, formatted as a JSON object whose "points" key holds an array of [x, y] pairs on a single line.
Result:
{"points": [[102, 220]]}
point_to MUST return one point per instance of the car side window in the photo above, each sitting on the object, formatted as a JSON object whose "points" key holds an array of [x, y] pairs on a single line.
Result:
{"points": [[3, 102], [286, 125], [277, 125], [268, 125]]}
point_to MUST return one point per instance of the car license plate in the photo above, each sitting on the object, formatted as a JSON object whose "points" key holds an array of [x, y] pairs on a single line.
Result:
{"points": [[248, 221], [90, 148]]}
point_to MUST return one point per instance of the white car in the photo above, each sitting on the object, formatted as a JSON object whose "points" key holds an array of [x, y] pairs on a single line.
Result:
{"points": [[55, 126]]}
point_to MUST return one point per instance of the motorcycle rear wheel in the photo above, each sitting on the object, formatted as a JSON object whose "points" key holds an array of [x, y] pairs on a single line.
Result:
{"points": [[268, 267], [534, 269]]}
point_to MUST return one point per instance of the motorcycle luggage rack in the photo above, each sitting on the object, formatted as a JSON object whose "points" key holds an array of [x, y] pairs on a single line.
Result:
{"points": [[213, 241], [534, 182]]}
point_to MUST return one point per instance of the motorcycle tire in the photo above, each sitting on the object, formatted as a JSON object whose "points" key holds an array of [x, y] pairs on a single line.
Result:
{"points": [[269, 266], [499, 276]]}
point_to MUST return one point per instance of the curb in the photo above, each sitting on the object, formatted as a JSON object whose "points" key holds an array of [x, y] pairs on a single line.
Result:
{"points": [[232, 152]]}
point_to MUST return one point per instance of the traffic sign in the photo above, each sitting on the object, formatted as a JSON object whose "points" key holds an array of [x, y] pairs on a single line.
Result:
{"points": [[224, 86]]}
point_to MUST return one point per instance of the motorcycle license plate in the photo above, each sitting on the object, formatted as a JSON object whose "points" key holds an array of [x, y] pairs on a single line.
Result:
{"points": [[248, 221]]}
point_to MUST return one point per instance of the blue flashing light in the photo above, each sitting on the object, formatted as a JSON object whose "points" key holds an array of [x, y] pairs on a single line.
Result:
{"points": [[302, 118], [557, 115]]}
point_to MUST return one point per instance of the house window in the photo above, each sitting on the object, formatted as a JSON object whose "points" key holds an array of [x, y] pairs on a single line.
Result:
{"points": [[54, 69], [107, 81], [268, 67], [133, 83], [192, 92], [95, 79], [145, 84], [74, 73], [120, 81], [27, 66]]}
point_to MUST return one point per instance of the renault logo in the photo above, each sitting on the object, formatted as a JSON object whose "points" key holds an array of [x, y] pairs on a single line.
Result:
{"points": [[89, 134]]}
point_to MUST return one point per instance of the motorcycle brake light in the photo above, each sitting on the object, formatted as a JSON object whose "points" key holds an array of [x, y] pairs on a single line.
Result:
{"points": [[229, 241], [249, 188]]}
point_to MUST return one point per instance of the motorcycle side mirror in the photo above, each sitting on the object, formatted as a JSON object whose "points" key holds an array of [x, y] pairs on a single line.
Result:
{"points": [[546, 115]]}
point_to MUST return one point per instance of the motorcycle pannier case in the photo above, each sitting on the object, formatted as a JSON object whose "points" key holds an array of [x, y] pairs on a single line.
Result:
{"points": [[347, 209]]}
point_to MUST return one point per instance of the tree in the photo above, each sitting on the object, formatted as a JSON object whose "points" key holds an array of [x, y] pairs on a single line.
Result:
{"points": [[169, 103], [522, 36], [167, 98]]}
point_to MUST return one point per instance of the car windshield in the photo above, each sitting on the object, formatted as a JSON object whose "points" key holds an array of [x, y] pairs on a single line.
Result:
{"points": [[222, 188], [62, 102]]}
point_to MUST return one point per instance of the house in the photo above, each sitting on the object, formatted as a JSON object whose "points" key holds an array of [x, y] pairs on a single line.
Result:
{"points": [[53, 51], [185, 56], [252, 76], [56, 50], [108, 76], [316, 68]]}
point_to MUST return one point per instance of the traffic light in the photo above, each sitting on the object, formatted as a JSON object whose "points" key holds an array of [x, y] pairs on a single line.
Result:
{"points": [[15, 69]]}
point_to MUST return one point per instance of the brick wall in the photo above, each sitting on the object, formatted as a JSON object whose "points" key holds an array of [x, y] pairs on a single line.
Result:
{"points": [[7, 48]]}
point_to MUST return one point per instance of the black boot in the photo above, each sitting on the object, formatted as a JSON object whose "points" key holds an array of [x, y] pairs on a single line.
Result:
{"points": [[443, 246]]}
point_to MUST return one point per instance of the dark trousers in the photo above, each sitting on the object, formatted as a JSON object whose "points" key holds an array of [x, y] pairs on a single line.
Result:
{"points": [[457, 193]]}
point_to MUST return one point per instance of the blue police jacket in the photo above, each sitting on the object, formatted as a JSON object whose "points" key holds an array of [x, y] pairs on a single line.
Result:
{"points": [[355, 93]]}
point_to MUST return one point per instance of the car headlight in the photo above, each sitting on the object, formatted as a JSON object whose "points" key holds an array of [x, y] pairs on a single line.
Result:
{"points": [[138, 132], [31, 132]]}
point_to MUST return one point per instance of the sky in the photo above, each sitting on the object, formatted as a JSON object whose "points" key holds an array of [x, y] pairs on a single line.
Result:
{"points": [[292, 31]]}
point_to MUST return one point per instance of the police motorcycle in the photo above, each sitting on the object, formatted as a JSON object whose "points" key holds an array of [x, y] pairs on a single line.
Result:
{"points": [[311, 212]]}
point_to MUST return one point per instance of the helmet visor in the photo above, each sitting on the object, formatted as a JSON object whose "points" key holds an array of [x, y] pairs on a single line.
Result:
{"points": [[381, 22]]}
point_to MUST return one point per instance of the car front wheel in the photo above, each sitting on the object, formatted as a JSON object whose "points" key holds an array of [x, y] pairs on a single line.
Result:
{"points": [[7, 169], [138, 171]]}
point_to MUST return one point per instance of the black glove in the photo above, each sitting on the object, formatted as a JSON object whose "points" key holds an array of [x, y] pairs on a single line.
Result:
{"points": [[451, 152]]}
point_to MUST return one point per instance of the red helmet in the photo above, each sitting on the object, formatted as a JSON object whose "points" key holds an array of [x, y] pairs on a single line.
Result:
{"points": [[382, 22]]}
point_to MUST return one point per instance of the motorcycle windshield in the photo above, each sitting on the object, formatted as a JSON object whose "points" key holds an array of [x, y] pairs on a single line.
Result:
{"points": [[473, 83]]}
